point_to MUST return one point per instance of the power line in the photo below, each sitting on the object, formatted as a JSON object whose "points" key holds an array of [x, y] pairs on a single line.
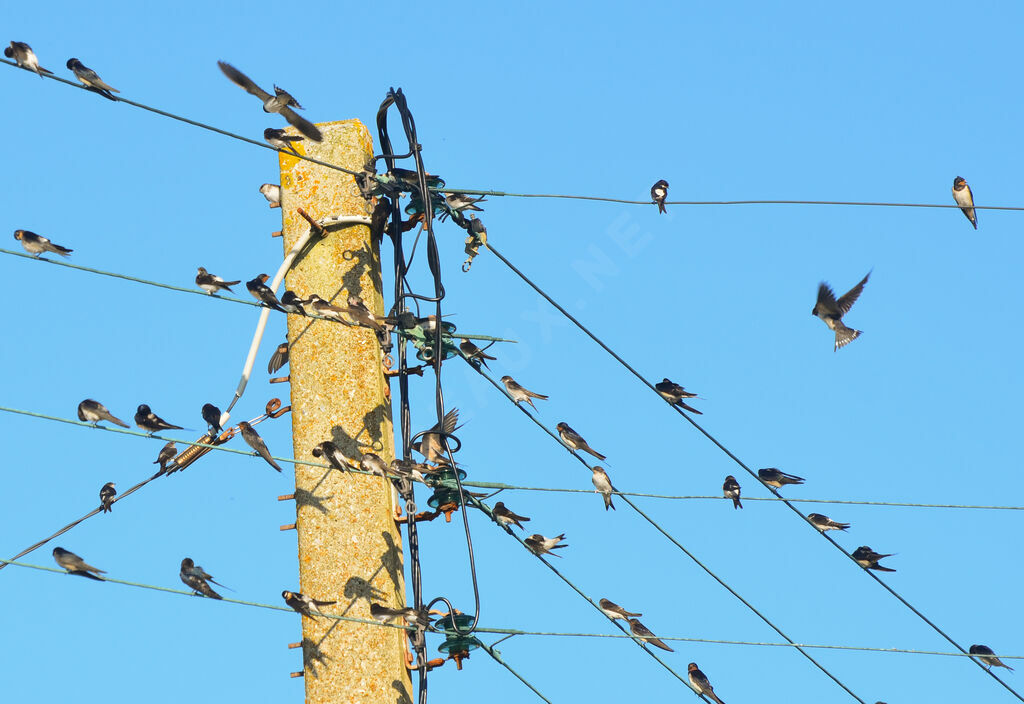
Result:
{"points": [[521, 632], [735, 459], [496, 655], [672, 539]]}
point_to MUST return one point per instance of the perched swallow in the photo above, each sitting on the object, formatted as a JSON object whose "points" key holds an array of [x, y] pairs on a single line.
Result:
{"points": [[613, 610], [212, 414], [573, 439], [362, 315], [24, 56], [196, 579], [965, 199], [460, 201], [263, 293], [731, 488], [373, 464], [107, 494], [76, 565], [281, 102], [832, 311], [674, 394], [824, 523], [659, 192], [604, 486], [279, 358], [281, 140], [93, 412], [474, 355], [151, 422], [431, 444], [541, 545], [986, 655], [211, 283], [700, 682], [330, 452], [37, 244], [303, 604], [291, 303], [773, 477], [325, 310], [410, 615], [868, 559], [520, 393], [506, 517], [643, 633], [91, 79], [167, 453], [272, 192], [256, 443], [414, 471]]}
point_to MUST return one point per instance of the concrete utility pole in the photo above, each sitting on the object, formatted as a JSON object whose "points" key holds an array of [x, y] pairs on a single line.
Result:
{"points": [[350, 549]]}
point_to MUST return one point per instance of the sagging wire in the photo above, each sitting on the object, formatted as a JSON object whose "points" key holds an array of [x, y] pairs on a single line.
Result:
{"points": [[737, 460]]}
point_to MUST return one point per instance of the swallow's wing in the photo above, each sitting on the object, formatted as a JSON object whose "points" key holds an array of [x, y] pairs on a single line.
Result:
{"points": [[827, 299], [300, 123], [243, 81], [279, 359], [851, 296]]}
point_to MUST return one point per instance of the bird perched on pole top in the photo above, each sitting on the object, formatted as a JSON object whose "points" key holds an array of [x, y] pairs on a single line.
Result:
{"points": [[280, 102], [832, 311], [659, 192]]}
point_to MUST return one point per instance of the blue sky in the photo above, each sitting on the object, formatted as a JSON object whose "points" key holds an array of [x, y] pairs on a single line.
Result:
{"points": [[808, 102]]}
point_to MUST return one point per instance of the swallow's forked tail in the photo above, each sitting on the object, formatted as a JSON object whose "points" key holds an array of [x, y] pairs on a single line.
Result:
{"points": [[845, 336]]}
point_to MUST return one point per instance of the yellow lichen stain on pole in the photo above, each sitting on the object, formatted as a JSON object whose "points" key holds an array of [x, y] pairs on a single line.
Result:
{"points": [[350, 549]]}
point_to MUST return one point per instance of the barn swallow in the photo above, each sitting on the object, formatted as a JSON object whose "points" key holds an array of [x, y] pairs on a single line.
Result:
{"points": [[195, 578], [659, 192], [303, 604], [965, 199], [573, 439], [868, 559], [475, 355], [24, 56], [37, 244], [643, 633], [291, 303], [211, 283], [409, 615], [773, 477], [613, 610], [731, 488], [506, 517], [824, 523], [361, 314], [279, 358], [431, 444], [212, 414], [107, 494], [460, 201], [832, 311], [604, 486], [281, 102], [272, 192], [373, 464], [330, 452], [256, 442], [76, 565], [91, 79], [541, 545], [325, 310], [701, 683], [167, 453], [151, 422], [986, 655], [279, 139], [674, 394], [520, 393], [263, 293], [93, 412]]}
